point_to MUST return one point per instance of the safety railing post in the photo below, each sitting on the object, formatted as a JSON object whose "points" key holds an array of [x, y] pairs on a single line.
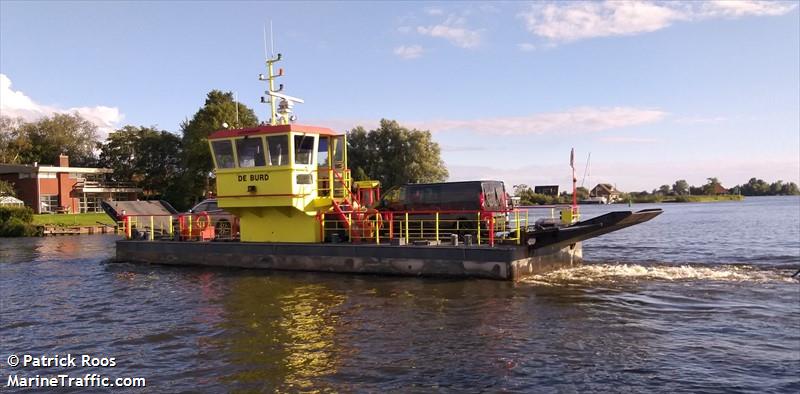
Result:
{"points": [[479, 228], [321, 225], [350, 227], [152, 229], [407, 232], [437, 227], [491, 230], [516, 220], [171, 228], [331, 183], [190, 227], [127, 221], [377, 229]]}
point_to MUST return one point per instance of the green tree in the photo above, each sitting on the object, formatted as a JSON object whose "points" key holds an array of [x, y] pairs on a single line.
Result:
{"points": [[525, 194], [790, 189], [395, 155], [583, 193], [776, 188], [43, 140], [7, 189], [145, 155], [680, 187], [12, 142], [664, 190], [711, 186], [219, 108]]}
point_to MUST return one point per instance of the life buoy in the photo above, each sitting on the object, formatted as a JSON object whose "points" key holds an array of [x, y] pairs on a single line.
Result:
{"points": [[201, 221], [378, 218], [366, 223]]}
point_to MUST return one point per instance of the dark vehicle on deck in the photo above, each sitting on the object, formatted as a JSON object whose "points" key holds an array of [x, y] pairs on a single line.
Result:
{"points": [[222, 220], [457, 202]]}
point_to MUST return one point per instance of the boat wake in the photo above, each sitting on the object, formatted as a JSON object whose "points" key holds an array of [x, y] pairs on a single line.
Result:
{"points": [[614, 273]]}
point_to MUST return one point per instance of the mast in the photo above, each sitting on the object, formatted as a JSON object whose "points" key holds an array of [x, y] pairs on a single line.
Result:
{"points": [[280, 112], [574, 181]]}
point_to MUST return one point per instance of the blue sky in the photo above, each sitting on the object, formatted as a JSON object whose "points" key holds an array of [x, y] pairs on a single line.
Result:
{"points": [[656, 91]]}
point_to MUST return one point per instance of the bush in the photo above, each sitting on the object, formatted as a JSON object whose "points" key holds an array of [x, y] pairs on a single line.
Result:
{"points": [[16, 222]]}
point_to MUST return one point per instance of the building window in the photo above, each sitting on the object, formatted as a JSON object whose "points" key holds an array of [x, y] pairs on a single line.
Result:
{"points": [[90, 203], [48, 203]]}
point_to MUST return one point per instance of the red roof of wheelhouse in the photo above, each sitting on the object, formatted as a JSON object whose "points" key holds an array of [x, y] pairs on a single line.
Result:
{"points": [[270, 129]]}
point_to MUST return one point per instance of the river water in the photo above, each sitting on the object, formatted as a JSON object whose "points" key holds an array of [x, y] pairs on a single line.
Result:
{"points": [[700, 299]]}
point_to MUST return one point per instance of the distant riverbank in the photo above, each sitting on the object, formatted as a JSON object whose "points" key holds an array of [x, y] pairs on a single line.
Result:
{"points": [[660, 199]]}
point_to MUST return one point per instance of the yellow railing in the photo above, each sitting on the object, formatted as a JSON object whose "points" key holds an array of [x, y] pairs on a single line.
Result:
{"points": [[339, 182], [436, 227], [439, 227], [176, 227]]}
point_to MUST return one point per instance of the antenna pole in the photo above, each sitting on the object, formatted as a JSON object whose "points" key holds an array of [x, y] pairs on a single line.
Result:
{"points": [[271, 40], [236, 100], [266, 54], [585, 170]]}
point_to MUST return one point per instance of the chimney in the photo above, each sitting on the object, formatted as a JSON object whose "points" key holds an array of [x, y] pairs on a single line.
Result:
{"points": [[63, 160]]}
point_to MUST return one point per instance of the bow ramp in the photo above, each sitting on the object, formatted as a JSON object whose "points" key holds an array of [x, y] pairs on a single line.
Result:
{"points": [[542, 235]]}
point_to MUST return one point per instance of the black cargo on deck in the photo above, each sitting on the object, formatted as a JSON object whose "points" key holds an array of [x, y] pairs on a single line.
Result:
{"points": [[448, 197]]}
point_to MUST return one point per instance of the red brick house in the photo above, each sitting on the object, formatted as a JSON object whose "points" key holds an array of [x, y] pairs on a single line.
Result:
{"points": [[63, 188]]}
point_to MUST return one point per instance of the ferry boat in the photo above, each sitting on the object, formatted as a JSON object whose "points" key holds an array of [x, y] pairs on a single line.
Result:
{"points": [[299, 209]]}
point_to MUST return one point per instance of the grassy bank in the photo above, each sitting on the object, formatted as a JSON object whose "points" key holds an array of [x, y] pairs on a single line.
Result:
{"points": [[70, 220]]}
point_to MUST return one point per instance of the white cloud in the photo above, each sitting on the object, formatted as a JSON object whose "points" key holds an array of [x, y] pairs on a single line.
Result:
{"points": [[14, 103], [452, 30], [526, 47], [572, 21], [739, 8], [409, 52], [578, 120]]}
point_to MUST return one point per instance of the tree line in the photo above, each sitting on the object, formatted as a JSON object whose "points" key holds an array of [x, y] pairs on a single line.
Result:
{"points": [[679, 189], [177, 167], [754, 187]]}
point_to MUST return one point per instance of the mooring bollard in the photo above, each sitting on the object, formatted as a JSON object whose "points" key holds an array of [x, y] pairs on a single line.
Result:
{"points": [[468, 239], [454, 239]]}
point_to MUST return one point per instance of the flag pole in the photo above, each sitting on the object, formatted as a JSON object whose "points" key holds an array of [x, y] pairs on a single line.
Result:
{"points": [[574, 182]]}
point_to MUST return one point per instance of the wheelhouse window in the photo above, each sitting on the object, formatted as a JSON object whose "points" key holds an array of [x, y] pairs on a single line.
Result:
{"points": [[322, 152], [278, 150], [223, 153], [303, 149], [338, 152], [250, 152]]}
